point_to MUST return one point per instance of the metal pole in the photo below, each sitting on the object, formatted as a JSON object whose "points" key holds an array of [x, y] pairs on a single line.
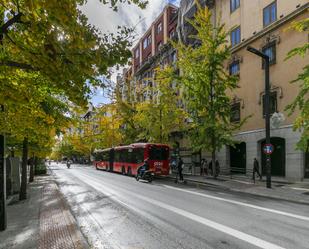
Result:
{"points": [[266, 59], [2, 185], [267, 121], [160, 125]]}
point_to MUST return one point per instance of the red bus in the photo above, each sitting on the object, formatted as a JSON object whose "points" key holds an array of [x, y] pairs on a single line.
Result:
{"points": [[127, 159]]}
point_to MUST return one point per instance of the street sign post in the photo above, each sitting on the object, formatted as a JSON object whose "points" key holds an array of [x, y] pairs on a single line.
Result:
{"points": [[268, 149], [2, 185], [266, 60]]}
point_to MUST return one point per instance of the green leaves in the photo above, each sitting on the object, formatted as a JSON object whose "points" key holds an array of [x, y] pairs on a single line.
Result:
{"points": [[50, 57], [301, 102], [207, 83], [56, 40]]}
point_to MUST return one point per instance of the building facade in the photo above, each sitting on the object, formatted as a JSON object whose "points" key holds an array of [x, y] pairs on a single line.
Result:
{"points": [[153, 50], [263, 24]]}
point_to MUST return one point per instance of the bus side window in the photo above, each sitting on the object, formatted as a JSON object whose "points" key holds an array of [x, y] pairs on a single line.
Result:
{"points": [[104, 156], [138, 155], [123, 155], [130, 156], [117, 156]]}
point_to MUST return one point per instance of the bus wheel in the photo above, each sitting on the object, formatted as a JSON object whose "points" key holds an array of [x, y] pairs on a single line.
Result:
{"points": [[129, 172], [123, 171]]}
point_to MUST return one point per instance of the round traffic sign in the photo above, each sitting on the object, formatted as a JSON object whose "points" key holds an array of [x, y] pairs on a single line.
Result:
{"points": [[268, 149]]}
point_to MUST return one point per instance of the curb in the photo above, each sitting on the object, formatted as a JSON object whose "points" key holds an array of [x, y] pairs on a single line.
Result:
{"points": [[240, 191], [273, 197]]}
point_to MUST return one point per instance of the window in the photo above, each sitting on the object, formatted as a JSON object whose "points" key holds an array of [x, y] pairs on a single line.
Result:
{"points": [[159, 46], [138, 155], [270, 14], [117, 155], [270, 50], [235, 36], [136, 53], [159, 28], [174, 57], [234, 68], [147, 42], [234, 4], [235, 113], [172, 34], [272, 103], [158, 153]]}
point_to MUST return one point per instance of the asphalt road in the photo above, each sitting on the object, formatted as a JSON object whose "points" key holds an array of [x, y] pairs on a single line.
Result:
{"points": [[116, 211]]}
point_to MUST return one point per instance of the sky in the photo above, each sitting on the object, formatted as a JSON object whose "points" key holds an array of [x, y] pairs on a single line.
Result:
{"points": [[107, 20]]}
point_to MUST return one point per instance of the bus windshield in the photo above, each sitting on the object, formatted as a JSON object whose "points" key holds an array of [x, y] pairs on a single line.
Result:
{"points": [[158, 153]]}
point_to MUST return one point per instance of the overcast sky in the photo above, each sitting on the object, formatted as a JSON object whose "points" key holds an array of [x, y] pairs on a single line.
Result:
{"points": [[107, 20]]}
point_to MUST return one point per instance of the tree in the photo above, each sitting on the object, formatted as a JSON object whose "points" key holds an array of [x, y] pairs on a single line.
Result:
{"points": [[125, 109], [54, 39], [108, 131], [49, 54], [34, 118], [159, 116], [301, 102], [206, 84]]}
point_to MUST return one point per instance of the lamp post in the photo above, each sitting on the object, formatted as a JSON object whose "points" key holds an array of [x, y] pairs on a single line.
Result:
{"points": [[2, 181], [267, 111]]}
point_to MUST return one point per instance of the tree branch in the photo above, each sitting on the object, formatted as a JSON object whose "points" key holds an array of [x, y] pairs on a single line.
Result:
{"points": [[15, 19], [18, 65]]}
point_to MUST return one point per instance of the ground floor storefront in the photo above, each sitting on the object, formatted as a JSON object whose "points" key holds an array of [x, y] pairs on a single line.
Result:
{"points": [[286, 161]]}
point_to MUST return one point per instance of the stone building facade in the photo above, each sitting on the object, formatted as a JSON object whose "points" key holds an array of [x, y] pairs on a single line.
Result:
{"points": [[263, 24]]}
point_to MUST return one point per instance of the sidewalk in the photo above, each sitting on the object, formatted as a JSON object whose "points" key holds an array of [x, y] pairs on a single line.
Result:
{"points": [[42, 221], [294, 192]]}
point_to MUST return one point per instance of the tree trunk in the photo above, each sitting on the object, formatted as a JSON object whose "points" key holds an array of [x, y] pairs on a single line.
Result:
{"points": [[31, 176], [23, 186], [35, 164], [213, 155]]}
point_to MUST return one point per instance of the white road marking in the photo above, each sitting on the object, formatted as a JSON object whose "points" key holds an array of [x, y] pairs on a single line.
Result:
{"points": [[217, 226], [241, 203]]}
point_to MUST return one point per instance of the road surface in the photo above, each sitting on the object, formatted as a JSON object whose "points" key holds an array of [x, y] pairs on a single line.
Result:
{"points": [[116, 211]]}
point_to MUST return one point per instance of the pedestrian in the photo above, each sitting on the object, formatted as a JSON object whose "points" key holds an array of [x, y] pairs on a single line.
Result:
{"points": [[256, 169], [217, 165], [204, 170], [180, 168], [210, 167]]}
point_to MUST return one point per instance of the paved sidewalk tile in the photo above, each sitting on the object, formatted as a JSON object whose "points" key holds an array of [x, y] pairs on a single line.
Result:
{"points": [[23, 220], [57, 226]]}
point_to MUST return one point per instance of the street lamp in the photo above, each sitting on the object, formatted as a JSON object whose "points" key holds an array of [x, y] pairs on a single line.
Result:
{"points": [[2, 181], [267, 111]]}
